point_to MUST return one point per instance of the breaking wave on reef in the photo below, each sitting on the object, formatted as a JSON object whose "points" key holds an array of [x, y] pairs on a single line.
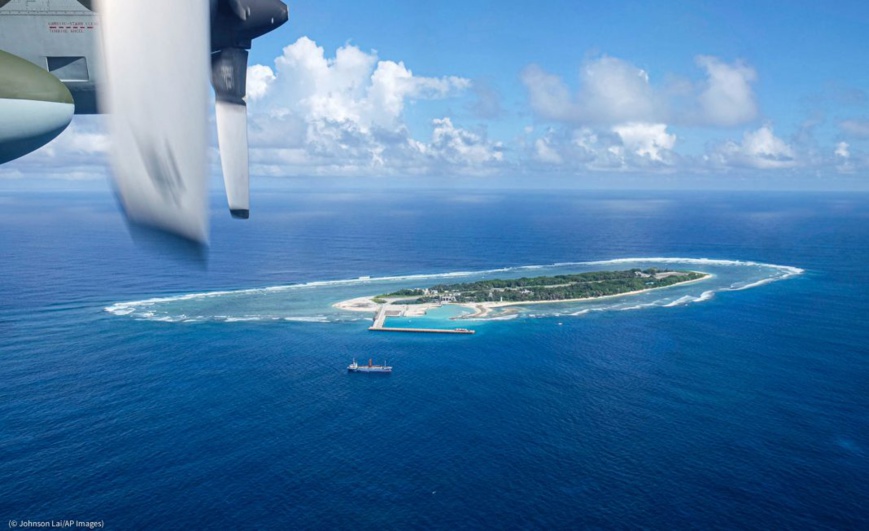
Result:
{"points": [[312, 302]]}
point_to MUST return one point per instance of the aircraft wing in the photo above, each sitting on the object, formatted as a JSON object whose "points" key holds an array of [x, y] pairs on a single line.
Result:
{"points": [[157, 66]]}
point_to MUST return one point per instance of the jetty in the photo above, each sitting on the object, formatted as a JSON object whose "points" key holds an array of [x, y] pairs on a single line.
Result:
{"points": [[382, 314]]}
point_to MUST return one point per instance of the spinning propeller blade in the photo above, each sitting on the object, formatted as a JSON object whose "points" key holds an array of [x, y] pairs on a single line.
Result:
{"points": [[156, 64]]}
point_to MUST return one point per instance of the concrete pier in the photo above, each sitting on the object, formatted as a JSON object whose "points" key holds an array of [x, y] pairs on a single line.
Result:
{"points": [[382, 314], [423, 330], [379, 319]]}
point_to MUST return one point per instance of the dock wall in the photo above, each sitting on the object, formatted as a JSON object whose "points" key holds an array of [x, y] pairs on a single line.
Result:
{"points": [[420, 330]]}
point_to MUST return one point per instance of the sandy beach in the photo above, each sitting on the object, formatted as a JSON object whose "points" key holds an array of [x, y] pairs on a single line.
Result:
{"points": [[481, 310], [367, 304]]}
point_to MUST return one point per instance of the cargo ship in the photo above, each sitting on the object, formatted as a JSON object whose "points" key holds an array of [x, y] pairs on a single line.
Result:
{"points": [[355, 367]]}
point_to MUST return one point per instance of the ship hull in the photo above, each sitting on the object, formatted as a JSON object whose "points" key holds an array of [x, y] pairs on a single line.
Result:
{"points": [[380, 370]]}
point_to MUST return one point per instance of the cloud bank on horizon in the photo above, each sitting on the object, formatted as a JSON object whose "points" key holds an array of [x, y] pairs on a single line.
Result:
{"points": [[348, 111]]}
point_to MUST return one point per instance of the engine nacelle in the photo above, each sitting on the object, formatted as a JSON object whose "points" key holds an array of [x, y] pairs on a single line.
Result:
{"points": [[35, 107], [235, 23]]}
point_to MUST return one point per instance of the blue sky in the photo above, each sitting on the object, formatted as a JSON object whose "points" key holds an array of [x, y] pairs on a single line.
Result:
{"points": [[592, 93]]}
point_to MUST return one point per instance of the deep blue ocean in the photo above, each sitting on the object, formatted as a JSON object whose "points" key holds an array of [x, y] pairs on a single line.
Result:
{"points": [[150, 392]]}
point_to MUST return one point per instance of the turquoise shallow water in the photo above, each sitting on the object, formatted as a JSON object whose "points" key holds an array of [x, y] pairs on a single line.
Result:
{"points": [[443, 317], [314, 301], [223, 400]]}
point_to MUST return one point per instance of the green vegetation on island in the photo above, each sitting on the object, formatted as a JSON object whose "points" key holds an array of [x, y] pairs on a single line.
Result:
{"points": [[554, 288]]}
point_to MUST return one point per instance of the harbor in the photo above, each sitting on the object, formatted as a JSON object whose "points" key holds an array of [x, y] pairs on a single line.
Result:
{"points": [[380, 325]]}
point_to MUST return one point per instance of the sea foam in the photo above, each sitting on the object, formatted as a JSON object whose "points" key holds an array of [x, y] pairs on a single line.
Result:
{"points": [[311, 302]]}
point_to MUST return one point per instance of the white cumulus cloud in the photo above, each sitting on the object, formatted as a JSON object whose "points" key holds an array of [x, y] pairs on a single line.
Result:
{"points": [[259, 77], [613, 91], [727, 98], [646, 140], [634, 146], [346, 115], [545, 152], [618, 119], [759, 149], [842, 155], [458, 146], [548, 95]]}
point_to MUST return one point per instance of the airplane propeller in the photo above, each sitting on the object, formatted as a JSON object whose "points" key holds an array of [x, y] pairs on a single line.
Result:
{"points": [[234, 24], [228, 73], [157, 56]]}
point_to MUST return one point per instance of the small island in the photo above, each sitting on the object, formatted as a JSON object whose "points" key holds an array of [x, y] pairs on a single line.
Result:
{"points": [[485, 295]]}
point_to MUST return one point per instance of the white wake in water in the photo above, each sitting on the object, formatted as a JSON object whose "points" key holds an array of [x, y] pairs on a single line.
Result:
{"points": [[312, 302]]}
